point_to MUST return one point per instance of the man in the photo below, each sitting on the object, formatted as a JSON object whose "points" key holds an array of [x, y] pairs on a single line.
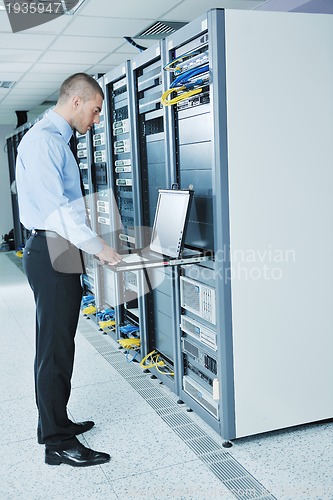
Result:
{"points": [[52, 207]]}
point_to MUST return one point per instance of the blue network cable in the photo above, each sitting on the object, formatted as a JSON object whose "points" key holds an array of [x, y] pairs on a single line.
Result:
{"points": [[184, 78]]}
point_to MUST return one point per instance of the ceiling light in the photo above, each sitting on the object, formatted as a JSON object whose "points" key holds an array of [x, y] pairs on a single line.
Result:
{"points": [[5, 84]]}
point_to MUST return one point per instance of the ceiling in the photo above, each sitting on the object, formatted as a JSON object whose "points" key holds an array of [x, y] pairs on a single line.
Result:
{"points": [[39, 59]]}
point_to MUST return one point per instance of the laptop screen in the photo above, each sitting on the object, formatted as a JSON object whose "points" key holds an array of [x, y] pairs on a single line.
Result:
{"points": [[170, 221]]}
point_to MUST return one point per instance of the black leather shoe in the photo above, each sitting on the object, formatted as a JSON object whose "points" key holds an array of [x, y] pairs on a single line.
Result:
{"points": [[79, 456], [76, 427], [80, 427]]}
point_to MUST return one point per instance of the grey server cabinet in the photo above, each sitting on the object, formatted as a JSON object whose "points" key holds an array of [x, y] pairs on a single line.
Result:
{"points": [[122, 291], [256, 143], [81, 145], [156, 169], [194, 100], [12, 142], [98, 196]]}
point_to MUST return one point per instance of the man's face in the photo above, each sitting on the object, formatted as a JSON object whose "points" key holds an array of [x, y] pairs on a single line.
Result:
{"points": [[87, 113]]}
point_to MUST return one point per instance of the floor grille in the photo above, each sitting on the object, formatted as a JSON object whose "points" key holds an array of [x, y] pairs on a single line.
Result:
{"points": [[225, 467]]}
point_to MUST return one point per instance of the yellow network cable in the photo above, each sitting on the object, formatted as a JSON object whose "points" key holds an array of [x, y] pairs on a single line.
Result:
{"points": [[158, 363], [89, 310], [170, 66], [106, 324], [132, 343], [184, 95], [152, 364]]}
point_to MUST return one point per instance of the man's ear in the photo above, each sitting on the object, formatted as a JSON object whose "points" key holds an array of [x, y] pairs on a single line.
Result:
{"points": [[76, 101]]}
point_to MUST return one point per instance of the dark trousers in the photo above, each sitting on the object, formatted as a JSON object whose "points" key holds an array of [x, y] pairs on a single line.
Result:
{"points": [[57, 297]]}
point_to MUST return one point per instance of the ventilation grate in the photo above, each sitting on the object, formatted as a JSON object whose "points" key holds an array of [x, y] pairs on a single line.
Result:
{"points": [[160, 30], [6, 84]]}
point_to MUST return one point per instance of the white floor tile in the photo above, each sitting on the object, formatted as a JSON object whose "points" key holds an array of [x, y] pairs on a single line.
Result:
{"points": [[188, 481], [23, 474]]}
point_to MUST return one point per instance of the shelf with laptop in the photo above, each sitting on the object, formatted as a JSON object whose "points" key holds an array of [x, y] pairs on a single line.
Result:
{"points": [[166, 246]]}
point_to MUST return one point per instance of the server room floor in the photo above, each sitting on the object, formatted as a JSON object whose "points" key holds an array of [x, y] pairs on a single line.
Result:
{"points": [[158, 449]]}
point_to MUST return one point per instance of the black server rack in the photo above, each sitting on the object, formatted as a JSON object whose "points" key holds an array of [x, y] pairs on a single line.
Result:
{"points": [[156, 171], [12, 141], [81, 145]]}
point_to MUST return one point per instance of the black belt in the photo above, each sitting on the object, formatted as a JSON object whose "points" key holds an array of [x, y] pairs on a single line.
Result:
{"points": [[43, 232]]}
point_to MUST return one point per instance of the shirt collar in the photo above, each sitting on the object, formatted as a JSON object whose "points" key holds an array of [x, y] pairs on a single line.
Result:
{"points": [[62, 125]]}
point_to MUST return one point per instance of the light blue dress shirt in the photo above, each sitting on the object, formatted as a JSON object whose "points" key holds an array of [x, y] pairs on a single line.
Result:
{"points": [[48, 184]]}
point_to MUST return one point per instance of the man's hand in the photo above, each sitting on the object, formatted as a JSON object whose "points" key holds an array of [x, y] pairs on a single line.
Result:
{"points": [[108, 255]]}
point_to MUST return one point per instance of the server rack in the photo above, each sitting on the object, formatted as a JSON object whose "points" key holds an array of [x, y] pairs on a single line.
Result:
{"points": [[121, 292], [156, 171], [12, 141], [202, 371], [81, 144]]}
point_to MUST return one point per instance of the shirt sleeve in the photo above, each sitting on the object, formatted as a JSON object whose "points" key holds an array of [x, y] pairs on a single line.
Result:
{"points": [[54, 184]]}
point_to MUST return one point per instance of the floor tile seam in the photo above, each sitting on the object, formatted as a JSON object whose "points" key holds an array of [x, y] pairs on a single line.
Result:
{"points": [[153, 469], [17, 441], [22, 398]]}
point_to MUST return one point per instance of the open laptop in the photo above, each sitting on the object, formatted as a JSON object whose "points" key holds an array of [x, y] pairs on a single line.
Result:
{"points": [[167, 237]]}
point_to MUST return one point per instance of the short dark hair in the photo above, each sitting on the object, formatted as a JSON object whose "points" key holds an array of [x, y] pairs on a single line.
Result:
{"points": [[81, 84]]}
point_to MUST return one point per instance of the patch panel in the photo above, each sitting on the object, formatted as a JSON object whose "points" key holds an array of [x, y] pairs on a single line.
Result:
{"points": [[193, 62]]}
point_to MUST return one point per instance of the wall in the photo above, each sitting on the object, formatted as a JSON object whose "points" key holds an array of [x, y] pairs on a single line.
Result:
{"points": [[6, 217]]}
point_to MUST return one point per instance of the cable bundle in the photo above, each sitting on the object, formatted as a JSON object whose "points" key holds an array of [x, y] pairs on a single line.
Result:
{"points": [[184, 85], [153, 362]]}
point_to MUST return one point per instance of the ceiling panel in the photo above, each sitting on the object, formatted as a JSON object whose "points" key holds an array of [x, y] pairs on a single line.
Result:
{"points": [[25, 42], [93, 44], [34, 86], [83, 57], [59, 69], [100, 69], [97, 26], [42, 79], [11, 67], [19, 56], [131, 9]]}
